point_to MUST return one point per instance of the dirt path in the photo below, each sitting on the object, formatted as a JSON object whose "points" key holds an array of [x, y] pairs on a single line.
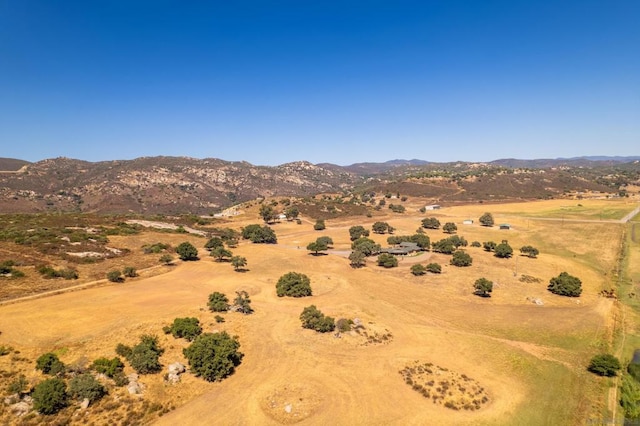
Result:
{"points": [[631, 215]]}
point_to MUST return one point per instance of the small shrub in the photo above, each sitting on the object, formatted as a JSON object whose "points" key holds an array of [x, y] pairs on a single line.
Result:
{"points": [[86, 386], [418, 269], [167, 259], [434, 268], [129, 271], [108, 367], [49, 364], [115, 276], [219, 319], [387, 260], [18, 385], [344, 325]]}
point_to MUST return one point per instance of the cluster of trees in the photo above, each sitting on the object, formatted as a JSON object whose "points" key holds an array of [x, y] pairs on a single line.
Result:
{"points": [[502, 250], [219, 302], [216, 249], [529, 251], [259, 234], [419, 269], [53, 394], [366, 246], [449, 245], [397, 208], [117, 276], [271, 215]]}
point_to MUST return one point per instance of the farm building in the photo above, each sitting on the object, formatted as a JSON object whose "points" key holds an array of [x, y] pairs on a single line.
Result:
{"points": [[467, 222], [505, 226], [432, 207], [402, 249]]}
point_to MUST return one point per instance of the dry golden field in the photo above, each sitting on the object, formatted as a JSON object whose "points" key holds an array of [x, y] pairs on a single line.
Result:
{"points": [[529, 359]]}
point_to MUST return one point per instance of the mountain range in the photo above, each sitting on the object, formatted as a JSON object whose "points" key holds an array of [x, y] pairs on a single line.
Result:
{"points": [[173, 185]]}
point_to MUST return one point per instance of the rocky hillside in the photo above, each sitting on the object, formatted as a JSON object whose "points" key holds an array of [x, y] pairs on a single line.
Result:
{"points": [[171, 185], [158, 184]]}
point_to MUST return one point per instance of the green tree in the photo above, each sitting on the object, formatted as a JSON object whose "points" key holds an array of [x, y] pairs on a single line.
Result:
{"points": [[565, 285], [221, 254], [242, 302], [238, 262], [461, 258], [530, 251], [604, 365], [328, 241], [319, 225], [476, 244], [486, 219], [418, 269], [387, 260], [291, 212], [50, 396], [187, 251], [293, 284], [145, 356], [259, 234], [357, 259], [187, 328], [358, 231], [115, 276], [213, 242], [421, 240], [267, 213], [365, 245], [316, 247], [213, 356], [503, 250], [483, 287], [380, 227], [434, 268], [49, 363], [445, 246], [218, 302], [430, 223], [313, 319], [86, 386], [450, 228]]}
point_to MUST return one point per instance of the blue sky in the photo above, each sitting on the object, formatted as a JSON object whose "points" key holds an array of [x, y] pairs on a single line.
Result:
{"points": [[342, 82]]}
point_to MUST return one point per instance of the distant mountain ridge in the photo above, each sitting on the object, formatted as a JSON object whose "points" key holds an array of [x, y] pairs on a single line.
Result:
{"points": [[169, 185]]}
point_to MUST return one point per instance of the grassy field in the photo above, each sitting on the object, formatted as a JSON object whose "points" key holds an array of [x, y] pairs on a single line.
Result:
{"points": [[606, 209], [530, 359]]}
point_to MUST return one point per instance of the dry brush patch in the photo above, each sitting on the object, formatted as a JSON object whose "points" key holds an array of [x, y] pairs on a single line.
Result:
{"points": [[448, 388]]}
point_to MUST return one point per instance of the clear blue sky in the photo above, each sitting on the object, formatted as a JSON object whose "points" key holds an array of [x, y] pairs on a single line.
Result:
{"points": [[325, 81]]}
